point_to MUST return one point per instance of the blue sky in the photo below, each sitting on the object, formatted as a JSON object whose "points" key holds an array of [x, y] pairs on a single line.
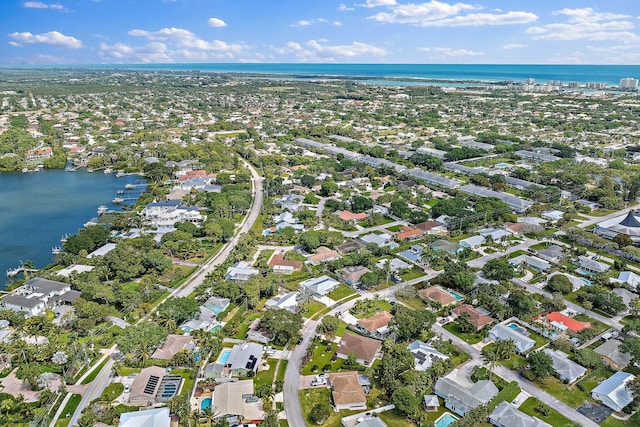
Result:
{"points": [[365, 31]]}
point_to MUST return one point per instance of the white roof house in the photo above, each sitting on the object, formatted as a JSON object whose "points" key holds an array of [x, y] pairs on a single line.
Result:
{"points": [[320, 285], [285, 302], [383, 239], [102, 250], [508, 415], [158, 417], [240, 272], [630, 278], [567, 369], [472, 242], [613, 392], [425, 355], [503, 332]]}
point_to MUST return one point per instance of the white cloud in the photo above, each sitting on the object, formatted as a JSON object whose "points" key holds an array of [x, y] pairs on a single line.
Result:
{"points": [[447, 52], [185, 39], [54, 38], [319, 51], [441, 14], [343, 8], [302, 23], [40, 5], [337, 23], [216, 22], [510, 46], [587, 24], [378, 3]]}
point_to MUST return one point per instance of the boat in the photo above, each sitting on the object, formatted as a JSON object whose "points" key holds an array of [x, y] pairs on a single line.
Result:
{"points": [[117, 200], [129, 186], [70, 169], [56, 250], [63, 239], [107, 171], [92, 221], [102, 209]]}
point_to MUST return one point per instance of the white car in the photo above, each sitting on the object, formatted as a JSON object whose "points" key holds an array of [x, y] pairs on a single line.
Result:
{"points": [[318, 382], [322, 377]]}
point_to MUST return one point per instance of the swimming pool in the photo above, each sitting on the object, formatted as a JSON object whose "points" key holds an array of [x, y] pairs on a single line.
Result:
{"points": [[206, 403], [458, 297], [503, 165], [513, 326], [586, 281], [224, 356], [215, 328], [445, 419]]}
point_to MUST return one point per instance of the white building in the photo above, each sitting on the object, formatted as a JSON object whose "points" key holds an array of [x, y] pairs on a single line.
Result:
{"points": [[167, 213]]}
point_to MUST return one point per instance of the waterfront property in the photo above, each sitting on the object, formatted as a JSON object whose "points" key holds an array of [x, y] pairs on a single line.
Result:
{"points": [[38, 294]]}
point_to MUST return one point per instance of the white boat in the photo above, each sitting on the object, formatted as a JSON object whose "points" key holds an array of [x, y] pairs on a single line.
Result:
{"points": [[56, 250], [102, 209], [107, 171], [117, 200], [129, 186]]}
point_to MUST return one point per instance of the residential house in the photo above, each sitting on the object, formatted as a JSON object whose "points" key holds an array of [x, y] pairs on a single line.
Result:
{"points": [[507, 414], [424, 355], [432, 227], [346, 391], [244, 358], [280, 265], [531, 262], [39, 153], [320, 286], [349, 246], [627, 296], [408, 233], [589, 266], [172, 345], [630, 278], [396, 264], [381, 240], [365, 349], [158, 417], [612, 356], [38, 294], [613, 391], [568, 370], [240, 272], [350, 216], [216, 304], [562, 323], [291, 202], [322, 255], [166, 213], [494, 234], [479, 319], [413, 254], [146, 385], [255, 334], [436, 294], [446, 246], [552, 215], [503, 332], [472, 242], [553, 254], [102, 250], [376, 326], [462, 399], [517, 228], [287, 301], [352, 275], [235, 401]]}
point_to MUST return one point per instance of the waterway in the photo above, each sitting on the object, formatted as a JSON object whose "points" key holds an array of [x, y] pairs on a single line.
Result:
{"points": [[38, 208]]}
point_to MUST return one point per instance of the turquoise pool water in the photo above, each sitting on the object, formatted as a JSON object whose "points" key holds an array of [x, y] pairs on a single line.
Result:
{"points": [[215, 328], [224, 357], [458, 297], [513, 326], [586, 282], [206, 403], [445, 419], [503, 165]]}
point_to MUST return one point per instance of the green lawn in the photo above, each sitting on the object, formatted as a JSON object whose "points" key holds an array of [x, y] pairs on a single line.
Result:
{"points": [[309, 398], [414, 273], [634, 421], [395, 418], [507, 394], [69, 408], [189, 380], [554, 418], [322, 357], [311, 308], [569, 394], [593, 378], [282, 369], [340, 292], [266, 376], [471, 338], [395, 228], [367, 308], [94, 373], [112, 391]]}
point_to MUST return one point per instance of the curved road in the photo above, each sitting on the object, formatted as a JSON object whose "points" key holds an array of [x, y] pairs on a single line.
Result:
{"points": [[197, 278]]}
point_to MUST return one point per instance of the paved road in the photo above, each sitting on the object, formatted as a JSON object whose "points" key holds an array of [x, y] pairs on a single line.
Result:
{"points": [[382, 227], [525, 385], [102, 380], [596, 219], [480, 262], [612, 322]]}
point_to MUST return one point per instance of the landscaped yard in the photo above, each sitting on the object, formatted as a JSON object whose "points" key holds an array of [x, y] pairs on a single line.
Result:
{"points": [[340, 292], [266, 376], [112, 391], [69, 408], [554, 418], [309, 398], [367, 308], [571, 395], [414, 273], [593, 378], [321, 358], [394, 418], [311, 308], [471, 338]]}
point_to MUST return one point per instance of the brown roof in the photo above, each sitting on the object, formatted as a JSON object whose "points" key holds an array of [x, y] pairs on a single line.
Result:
{"points": [[427, 225], [408, 232], [363, 348], [477, 318], [517, 227], [346, 389], [171, 346], [354, 273], [350, 216], [438, 295], [323, 253], [278, 259], [375, 322], [140, 393]]}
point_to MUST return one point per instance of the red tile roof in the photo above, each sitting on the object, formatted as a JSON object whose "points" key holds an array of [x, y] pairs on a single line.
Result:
{"points": [[349, 216], [476, 317], [573, 324]]}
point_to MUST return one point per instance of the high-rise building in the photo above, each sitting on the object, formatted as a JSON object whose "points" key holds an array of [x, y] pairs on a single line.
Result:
{"points": [[574, 85], [531, 81], [628, 83]]}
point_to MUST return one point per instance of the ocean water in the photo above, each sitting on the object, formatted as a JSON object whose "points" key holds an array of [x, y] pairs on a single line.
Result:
{"points": [[37, 208], [609, 74]]}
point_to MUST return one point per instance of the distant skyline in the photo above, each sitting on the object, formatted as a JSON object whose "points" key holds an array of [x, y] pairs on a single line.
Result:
{"points": [[54, 32]]}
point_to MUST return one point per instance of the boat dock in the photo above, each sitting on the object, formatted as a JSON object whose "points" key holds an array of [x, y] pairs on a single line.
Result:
{"points": [[21, 269]]}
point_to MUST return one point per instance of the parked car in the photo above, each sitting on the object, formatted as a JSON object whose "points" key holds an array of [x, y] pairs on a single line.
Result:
{"points": [[322, 377], [318, 382]]}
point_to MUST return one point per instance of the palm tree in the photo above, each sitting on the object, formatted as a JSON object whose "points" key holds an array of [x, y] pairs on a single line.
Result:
{"points": [[490, 359], [165, 320], [505, 349]]}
